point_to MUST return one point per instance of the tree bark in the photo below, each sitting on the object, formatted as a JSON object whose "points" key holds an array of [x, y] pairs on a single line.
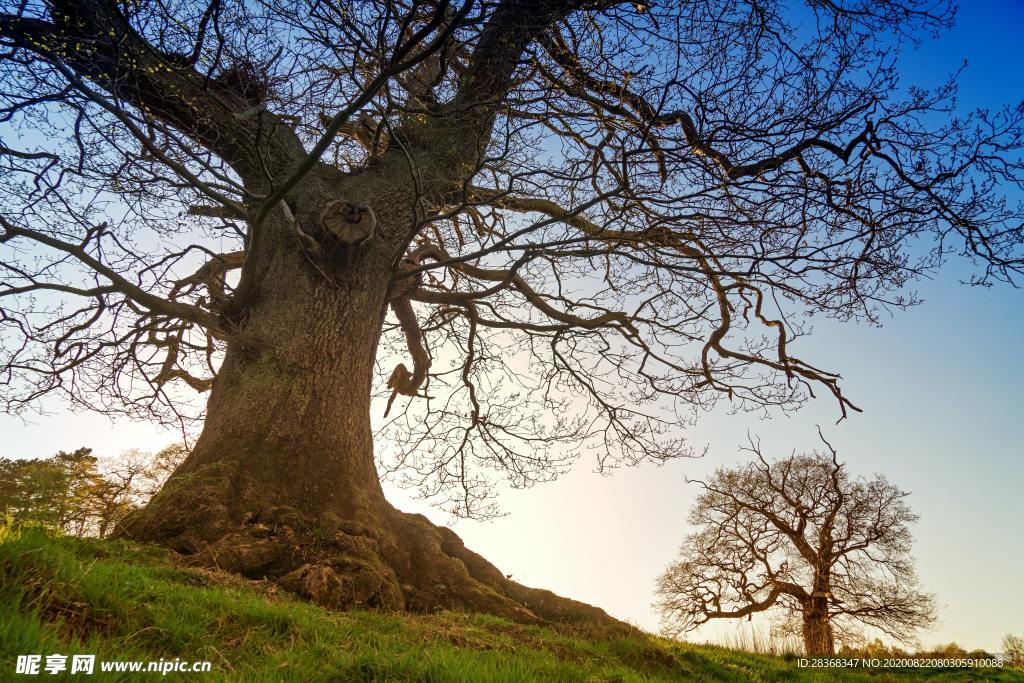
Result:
{"points": [[282, 482], [817, 629]]}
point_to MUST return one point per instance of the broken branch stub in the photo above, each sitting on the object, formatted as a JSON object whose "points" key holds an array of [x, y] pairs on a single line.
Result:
{"points": [[351, 224]]}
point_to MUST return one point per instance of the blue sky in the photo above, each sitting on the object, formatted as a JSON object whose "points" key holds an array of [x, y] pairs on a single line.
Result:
{"points": [[944, 419]]}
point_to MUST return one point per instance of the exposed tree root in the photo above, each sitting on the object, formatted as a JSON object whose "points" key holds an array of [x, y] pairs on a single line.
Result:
{"points": [[380, 558]]}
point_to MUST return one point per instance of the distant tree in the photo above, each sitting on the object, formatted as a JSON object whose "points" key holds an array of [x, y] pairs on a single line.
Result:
{"points": [[876, 649], [873, 649], [1013, 649], [116, 492], [29, 489], [81, 494], [79, 469], [127, 482], [159, 467], [801, 536], [52, 491]]}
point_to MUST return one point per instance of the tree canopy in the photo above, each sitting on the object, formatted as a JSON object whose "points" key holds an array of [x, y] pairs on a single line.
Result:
{"points": [[595, 218]]}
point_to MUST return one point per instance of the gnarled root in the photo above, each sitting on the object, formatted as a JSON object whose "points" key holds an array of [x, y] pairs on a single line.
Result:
{"points": [[386, 559]]}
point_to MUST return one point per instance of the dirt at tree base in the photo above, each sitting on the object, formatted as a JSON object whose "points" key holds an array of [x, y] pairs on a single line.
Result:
{"points": [[385, 559]]}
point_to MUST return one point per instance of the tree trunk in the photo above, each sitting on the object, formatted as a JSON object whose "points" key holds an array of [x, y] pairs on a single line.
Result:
{"points": [[817, 629], [282, 482]]}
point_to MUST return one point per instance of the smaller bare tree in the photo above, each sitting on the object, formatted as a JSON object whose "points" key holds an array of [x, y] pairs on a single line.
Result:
{"points": [[1013, 650], [126, 483], [801, 536]]}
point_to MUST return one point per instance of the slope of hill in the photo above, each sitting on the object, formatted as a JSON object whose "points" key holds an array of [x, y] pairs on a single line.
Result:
{"points": [[129, 603]]}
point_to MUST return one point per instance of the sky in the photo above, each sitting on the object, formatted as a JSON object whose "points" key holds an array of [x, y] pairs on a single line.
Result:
{"points": [[943, 418]]}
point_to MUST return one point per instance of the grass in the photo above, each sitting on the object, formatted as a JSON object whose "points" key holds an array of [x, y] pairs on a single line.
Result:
{"points": [[122, 601]]}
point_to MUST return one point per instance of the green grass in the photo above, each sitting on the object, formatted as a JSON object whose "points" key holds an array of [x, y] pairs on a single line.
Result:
{"points": [[122, 601]]}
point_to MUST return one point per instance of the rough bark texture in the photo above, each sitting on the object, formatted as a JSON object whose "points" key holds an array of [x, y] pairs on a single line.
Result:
{"points": [[817, 630], [282, 482]]}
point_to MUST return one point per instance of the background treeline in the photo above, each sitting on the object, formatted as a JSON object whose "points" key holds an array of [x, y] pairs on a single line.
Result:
{"points": [[82, 494], [779, 640], [877, 649], [1012, 651]]}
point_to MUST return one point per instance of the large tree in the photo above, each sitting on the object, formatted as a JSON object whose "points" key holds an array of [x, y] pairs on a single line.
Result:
{"points": [[798, 536], [545, 226]]}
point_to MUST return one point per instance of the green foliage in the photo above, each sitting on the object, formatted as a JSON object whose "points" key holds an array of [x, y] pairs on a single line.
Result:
{"points": [[1013, 650], [876, 649], [80, 494], [52, 491], [123, 601]]}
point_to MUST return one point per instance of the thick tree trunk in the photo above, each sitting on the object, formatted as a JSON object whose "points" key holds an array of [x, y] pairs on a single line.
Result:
{"points": [[282, 481], [817, 629]]}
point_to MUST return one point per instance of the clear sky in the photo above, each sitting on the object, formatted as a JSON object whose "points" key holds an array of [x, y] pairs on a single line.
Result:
{"points": [[944, 419]]}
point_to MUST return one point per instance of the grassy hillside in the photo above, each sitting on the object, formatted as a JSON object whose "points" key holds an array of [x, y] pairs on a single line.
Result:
{"points": [[121, 601]]}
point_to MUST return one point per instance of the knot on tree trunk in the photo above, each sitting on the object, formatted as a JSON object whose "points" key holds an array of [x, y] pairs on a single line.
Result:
{"points": [[351, 224]]}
